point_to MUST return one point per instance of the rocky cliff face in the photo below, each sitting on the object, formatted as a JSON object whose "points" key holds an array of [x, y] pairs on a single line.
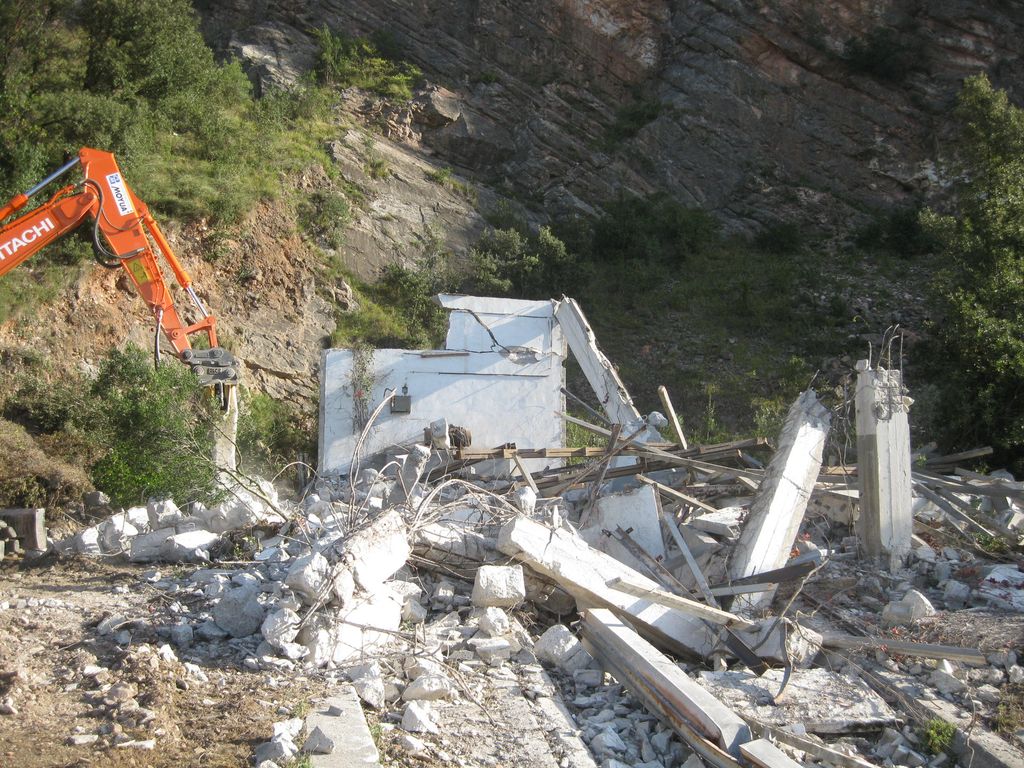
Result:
{"points": [[757, 111]]}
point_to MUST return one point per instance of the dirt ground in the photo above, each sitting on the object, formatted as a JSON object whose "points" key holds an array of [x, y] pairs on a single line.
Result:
{"points": [[213, 714]]}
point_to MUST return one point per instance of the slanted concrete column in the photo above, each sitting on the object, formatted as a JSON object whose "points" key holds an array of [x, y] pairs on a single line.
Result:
{"points": [[781, 501], [883, 465]]}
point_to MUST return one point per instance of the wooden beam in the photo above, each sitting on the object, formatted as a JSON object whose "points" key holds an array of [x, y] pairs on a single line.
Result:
{"points": [[691, 561], [672, 493], [672, 418], [527, 476], [661, 597], [903, 647]]}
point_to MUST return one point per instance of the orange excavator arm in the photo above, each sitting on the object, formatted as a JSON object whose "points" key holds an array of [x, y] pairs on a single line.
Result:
{"points": [[125, 235]]}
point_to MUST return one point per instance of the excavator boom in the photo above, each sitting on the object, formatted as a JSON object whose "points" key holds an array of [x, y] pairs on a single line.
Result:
{"points": [[126, 236]]}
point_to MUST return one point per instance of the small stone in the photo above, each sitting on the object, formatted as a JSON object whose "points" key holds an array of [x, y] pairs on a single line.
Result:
{"points": [[417, 718], [494, 622], [412, 745], [414, 612], [83, 739], [239, 612], [318, 743], [428, 688], [182, 635], [1015, 674], [607, 741]]}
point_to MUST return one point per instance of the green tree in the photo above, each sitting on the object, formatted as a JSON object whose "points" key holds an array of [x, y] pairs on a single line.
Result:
{"points": [[156, 426], [980, 291]]}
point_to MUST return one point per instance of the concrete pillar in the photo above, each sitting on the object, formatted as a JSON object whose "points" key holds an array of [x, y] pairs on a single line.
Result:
{"points": [[778, 509], [886, 519]]}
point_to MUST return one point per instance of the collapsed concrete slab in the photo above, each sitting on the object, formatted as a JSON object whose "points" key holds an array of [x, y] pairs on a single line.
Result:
{"points": [[584, 573], [778, 510], [821, 701]]}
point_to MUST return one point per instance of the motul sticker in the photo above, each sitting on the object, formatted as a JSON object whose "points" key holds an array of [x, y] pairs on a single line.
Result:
{"points": [[30, 235], [120, 191]]}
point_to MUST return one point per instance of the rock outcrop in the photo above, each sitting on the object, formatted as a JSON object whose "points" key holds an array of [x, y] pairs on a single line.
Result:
{"points": [[756, 111]]}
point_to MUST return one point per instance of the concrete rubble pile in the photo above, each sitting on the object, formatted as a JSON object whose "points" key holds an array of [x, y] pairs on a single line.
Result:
{"points": [[688, 605]]}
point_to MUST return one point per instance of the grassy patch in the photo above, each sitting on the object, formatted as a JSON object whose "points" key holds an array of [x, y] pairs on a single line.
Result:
{"points": [[358, 62], [1010, 712], [938, 736]]}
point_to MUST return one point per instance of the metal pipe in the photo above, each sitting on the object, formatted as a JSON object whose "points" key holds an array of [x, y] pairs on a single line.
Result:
{"points": [[191, 292], [53, 176]]}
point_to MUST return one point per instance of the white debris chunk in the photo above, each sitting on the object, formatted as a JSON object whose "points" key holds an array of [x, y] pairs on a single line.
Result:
{"points": [[499, 586], [318, 743], [239, 612], [280, 627], [418, 718], [560, 647], [163, 514], [308, 575]]}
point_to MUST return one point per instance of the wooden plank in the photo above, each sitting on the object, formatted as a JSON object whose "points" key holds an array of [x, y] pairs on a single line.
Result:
{"points": [[714, 615], [527, 477], [764, 754], [691, 561], [663, 687], [903, 647], [949, 509], [672, 493], [953, 458], [672, 418], [583, 572]]}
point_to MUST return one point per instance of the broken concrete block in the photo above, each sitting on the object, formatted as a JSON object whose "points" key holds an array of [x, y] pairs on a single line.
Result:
{"points": [[494, 621], [418, 718], [87, 542], [280, 627], [725, 522], [499, 586], [409, 475], [910, 608], [148, 547], [276, 751], [491, 650], [163, 514], [946, 683], [1004, 587], [318, 743], [368, 681], [956, 593], [181, 635], [636, 509], [560, 647], [429, 688], [116, 533], [191, 547], [239, 612], [525, 499], [353, 632], [375, 553], [307, 576]]}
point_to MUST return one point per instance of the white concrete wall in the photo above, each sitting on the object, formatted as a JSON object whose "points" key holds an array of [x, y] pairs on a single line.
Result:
{"points": [[504, 391]]}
